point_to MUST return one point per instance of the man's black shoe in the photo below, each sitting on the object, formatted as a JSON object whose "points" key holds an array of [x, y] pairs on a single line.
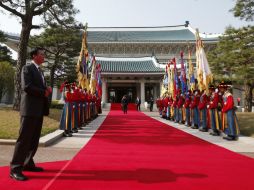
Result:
{"points": [[33, 169], [18, 176], [74, 130], [228, 138], [214, 134], [203, 130], [67, 134]]}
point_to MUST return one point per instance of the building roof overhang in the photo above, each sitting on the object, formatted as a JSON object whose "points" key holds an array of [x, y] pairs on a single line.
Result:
{"points": [[130, 66], [160, 34]]}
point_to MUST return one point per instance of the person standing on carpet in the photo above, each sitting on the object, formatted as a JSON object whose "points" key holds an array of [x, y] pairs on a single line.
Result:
{"points": [[33, 105], [124, 104], [151, 103], [138, 102]]}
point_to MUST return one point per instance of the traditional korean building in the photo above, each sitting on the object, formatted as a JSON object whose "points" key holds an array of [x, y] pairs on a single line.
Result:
{"points": [[133, 58]]}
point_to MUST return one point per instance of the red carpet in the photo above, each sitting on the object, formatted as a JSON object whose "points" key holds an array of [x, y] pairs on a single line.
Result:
{"points": [[37, 180], [136, 152], [117, 106]]}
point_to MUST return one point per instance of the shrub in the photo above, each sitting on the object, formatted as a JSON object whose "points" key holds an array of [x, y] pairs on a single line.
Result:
{"points": [[55, 104]]}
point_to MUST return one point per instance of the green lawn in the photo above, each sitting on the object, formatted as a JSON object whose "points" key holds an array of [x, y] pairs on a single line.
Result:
{"points": [[9, 123], [246, 123]]}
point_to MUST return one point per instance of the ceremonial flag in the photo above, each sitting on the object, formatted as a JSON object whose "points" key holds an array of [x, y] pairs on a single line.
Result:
{"points": [[93, 80], [165, 81], [183, 76], [191, 73], [171, 78], [82, 67], [99, 82], [204, 74], [163, 90], [176, 83]]}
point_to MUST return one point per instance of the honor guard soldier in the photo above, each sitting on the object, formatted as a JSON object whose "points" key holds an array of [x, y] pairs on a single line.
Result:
{"points": [[175, 101], [230, 121], [187, 108], [202, 107], [75, 110], [66, 116], [180, 109], [194, 107], [212, 106]]}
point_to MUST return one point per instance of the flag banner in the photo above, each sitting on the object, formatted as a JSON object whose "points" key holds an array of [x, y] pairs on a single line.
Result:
{"points": [[93, 81], [176, 82], [204, 74], [99, 82], [165, 80], [183, 76], [191, 73], [171, 78], [82, 67], [163, 90]]}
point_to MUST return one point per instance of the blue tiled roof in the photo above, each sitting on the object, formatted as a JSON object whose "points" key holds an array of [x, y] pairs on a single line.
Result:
{"points": [[121, 65], [140, 36], [143, 34]]}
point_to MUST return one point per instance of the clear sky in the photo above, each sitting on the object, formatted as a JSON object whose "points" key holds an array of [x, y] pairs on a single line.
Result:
{"points": [[210, 16]]}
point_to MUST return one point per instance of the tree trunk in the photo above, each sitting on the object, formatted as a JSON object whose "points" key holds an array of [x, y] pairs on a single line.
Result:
{"points": [[247, 96], [52, 81], [22, 53]]}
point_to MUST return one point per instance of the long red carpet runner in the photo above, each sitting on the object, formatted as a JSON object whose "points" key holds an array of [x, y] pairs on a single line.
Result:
{"points": [[135, 152], [117, 106]]}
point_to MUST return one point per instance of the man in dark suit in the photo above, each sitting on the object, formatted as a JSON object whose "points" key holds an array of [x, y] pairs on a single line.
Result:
{"points": [[151, 103], [33, 105], [138, 102], [124, 102]]}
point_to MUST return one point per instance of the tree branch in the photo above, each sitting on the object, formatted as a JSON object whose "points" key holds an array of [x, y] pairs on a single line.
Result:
{"points": [[13, 11], [35, 27], [47, 5]]}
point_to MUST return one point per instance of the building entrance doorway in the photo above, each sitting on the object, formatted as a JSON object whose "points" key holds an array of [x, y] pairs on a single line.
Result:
{"points": [[115, 94]]}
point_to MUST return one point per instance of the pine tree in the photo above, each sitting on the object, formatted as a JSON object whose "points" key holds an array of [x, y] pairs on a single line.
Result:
{"points": [[62, 47], [244, 9], [233, 59], [52, 11]]}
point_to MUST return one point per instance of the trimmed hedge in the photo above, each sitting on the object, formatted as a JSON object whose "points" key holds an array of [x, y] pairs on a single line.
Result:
{"points": [[56, 105]]}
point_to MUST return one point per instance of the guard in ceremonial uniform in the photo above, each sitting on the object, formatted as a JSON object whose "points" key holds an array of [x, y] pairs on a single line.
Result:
{"points": [[170, 104], [187, 108], [176, 115], [164, 105], [98, 104], [167, 108], [213, 112], [180, 109], [202, 106], [82, 107], [194, 107], [75, 108], [230, 122], [66, 117]]}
